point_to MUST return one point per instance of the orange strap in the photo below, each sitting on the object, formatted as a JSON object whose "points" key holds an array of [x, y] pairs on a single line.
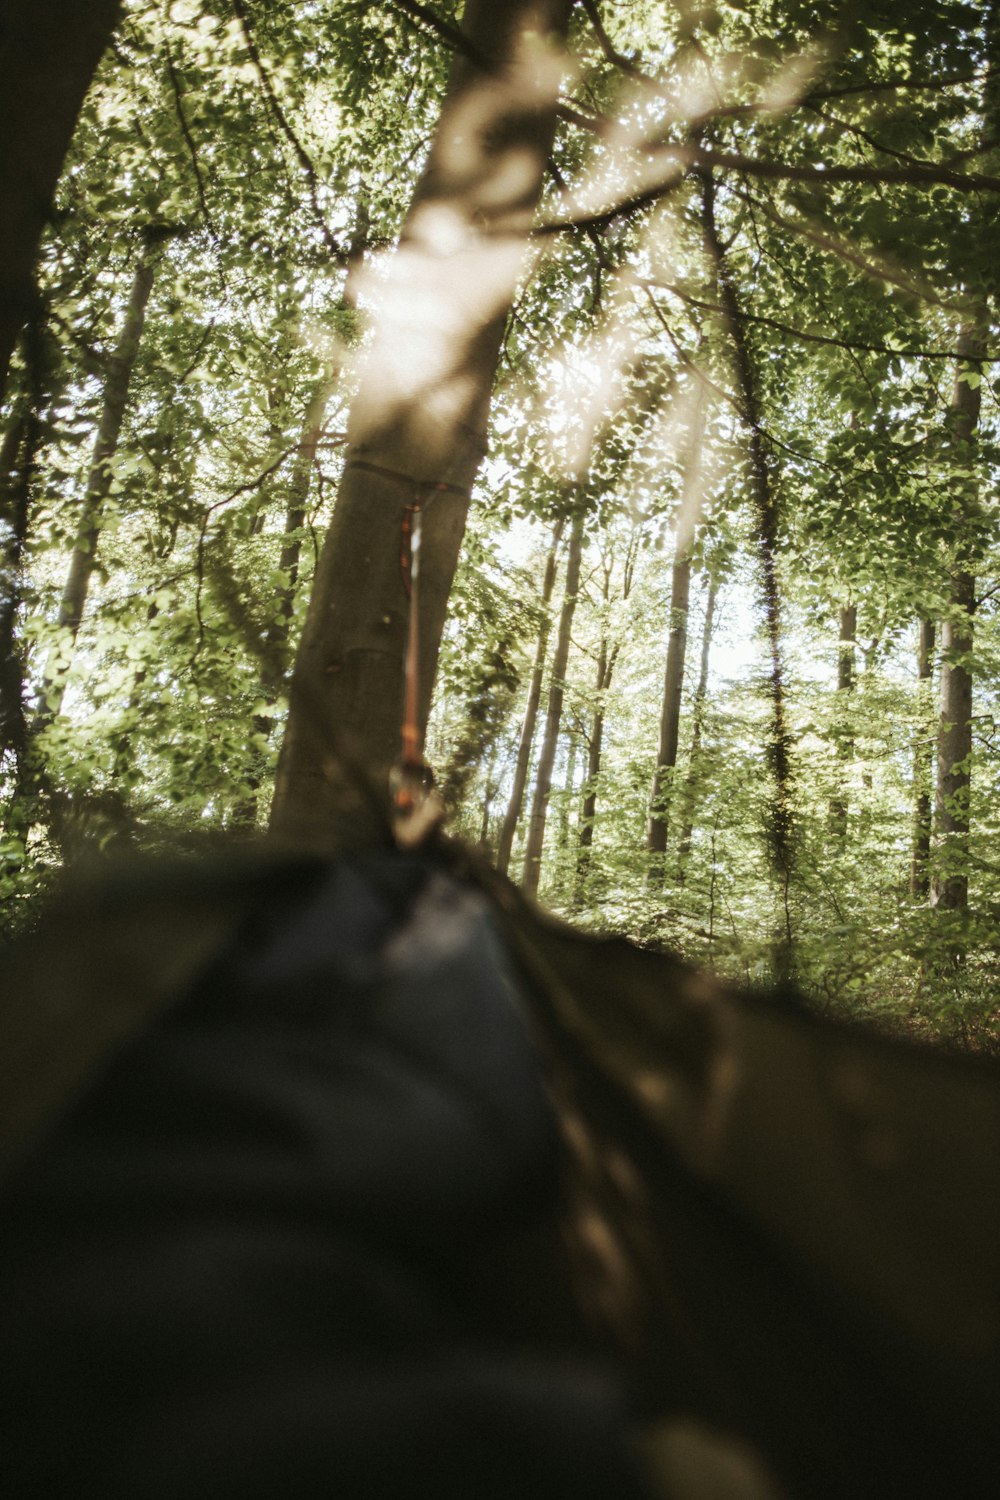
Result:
{"points": [[412, 776]]}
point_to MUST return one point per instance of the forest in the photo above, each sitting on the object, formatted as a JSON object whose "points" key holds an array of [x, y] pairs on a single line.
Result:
{"points": [[601, 395]]}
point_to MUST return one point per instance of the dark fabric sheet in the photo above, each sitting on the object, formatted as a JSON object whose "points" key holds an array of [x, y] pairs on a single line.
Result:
{"points": [[301, 1238], [382, 1175]]}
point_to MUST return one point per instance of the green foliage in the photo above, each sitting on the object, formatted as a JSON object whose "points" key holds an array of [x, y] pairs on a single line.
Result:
{"points": [[256, 156]]}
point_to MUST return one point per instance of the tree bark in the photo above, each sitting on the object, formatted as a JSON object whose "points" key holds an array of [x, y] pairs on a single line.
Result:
{"points": [[300, 483], [553, 716], [697, 729], [670, 710], [527, 739], [844, 735], [49, 50], [779, 830], [84, 558], [923, 766], [607, 660], [689, 514], [950, 886], [17, 457], [417, 430]]}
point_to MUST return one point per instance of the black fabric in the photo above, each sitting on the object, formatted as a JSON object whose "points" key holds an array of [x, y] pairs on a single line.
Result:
{"points": [[308, 1230], [301, 1238], [803, 1218]]}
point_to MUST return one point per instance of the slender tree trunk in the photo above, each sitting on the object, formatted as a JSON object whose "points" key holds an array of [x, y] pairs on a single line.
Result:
{"points": [[606, 663], [49, 50], [489, 792], [845, 738], [569, 787], [527, 739], [276, 640], [697, 729], [780, 832], [923, 766], [607, 660], [418, 425], [84, 558], [692, 500], [274, 653], [553, 716], [954, 746], [670, 711], [296, 511], [17, 458]]}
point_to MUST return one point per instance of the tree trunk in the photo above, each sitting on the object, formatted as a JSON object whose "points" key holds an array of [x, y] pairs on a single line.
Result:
{"points": [[697, 729], [17, 459], [417, 429], [607, 660], [689, 514], [779, 821], [489, 792], [527, 739], [276, 639], [84, 558], [49, 50], [569, 788], [954, 746], [844, 735], [670, 711], [923, 766], [553, 716]]}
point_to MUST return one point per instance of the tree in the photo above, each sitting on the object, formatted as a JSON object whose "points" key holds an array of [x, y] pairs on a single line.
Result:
{"points": [[118, 379], [49, 51], [526, 738], [718, 209], [553, 714], [950, 888], [923, 765], [607, 660], [418, 423]]}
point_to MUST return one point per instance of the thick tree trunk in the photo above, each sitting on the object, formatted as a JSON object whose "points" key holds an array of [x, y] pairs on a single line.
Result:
{"points": [[527, 739], [553, 716], [697, 729], [84, 558], [844, 735], [49, 50], [923, 766], [418, 424], [950, 887], [670, 711]]}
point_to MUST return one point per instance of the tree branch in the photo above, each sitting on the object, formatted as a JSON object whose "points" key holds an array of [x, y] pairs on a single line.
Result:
{"points": [[811, 338], [301, 155], [689, 157]]}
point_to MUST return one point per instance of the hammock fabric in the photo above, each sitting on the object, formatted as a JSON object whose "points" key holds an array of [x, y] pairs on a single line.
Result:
{"points": [[363, 1177]]}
